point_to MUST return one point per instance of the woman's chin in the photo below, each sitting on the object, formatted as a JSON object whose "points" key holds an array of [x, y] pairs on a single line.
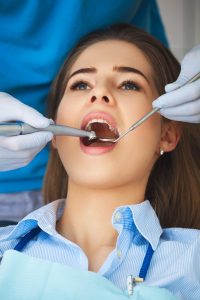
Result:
{"points": [[94, 181]]}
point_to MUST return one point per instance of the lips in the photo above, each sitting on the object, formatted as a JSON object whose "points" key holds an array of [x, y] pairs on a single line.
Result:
{"points": [[98, 115]]}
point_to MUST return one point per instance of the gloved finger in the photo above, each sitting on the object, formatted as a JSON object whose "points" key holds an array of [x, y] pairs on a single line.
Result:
{"points": [[182, 95], [177, 84], [171, 87], [14, 110], [186, 119], [25, 142], [10, 160], [35, 118], [13, 164], [17, 156], [190, 66], [187, 109]]}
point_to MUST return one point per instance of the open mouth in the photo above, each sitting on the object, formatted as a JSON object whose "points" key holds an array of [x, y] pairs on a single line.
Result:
{"points": [[103, 130]]}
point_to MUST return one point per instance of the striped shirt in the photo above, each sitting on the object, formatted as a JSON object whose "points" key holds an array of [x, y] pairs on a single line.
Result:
{"points": [[175, 264]]}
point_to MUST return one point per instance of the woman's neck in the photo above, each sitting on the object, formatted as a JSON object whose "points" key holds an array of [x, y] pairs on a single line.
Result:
{"points": [[86, 220]]}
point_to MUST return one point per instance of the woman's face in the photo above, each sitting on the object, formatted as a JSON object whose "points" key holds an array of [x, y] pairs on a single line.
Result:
{"points": [[111, 81]]}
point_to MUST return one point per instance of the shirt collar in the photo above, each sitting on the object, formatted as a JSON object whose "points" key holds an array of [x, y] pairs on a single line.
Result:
{"points": [[44, 217], [142, 217]]}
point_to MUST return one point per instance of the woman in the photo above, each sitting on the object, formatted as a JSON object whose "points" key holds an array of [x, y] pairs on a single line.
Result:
{"points": [[107, 83]]}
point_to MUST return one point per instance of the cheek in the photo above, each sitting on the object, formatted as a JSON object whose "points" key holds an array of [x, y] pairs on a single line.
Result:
{"points": [[68, 111], [144, 142], [63, 113], [63, 144], [137, 107], [134, 105], [133, 110], [66, 147], [141, 145]]}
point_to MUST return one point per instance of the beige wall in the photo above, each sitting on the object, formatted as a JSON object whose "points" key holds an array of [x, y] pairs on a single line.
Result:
{"points": [[182, 23]]}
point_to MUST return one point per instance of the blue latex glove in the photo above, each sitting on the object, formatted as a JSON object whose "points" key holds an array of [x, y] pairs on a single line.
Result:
{"points": [[18, 151], [183, 103]]}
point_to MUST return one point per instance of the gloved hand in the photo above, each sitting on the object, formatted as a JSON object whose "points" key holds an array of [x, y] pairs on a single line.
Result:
{"points": [[183, 103], [18, 151]]}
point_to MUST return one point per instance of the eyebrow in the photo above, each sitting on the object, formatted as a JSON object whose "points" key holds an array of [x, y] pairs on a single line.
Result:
{"points": [[124, 69], [84, 70], [120, 69]]}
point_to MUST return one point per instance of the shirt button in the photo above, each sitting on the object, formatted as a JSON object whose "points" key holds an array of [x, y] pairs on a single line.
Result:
{"points": [[117, 216], [119, 253]]}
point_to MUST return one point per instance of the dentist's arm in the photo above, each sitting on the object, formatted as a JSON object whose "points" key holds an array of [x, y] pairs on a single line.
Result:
{"points": [[18, 151], [182, 103]]}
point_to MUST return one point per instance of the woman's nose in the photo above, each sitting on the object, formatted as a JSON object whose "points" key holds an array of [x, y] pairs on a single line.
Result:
{"points": [[102, 95], [102, 98]]}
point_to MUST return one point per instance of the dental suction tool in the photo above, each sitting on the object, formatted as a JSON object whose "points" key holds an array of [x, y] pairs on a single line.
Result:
{"points": [[144, 118], [13, 129]]}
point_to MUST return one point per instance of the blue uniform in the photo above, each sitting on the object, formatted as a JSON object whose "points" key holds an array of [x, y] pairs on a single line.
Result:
{"points": [[35, 37]]}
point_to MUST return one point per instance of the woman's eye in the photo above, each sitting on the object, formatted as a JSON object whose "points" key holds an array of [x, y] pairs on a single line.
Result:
{"points": [[129, 85], [80, 85]]}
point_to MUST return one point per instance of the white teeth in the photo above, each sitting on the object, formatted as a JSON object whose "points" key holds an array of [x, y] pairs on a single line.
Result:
{"points": [[89, 127], [111, 128]]}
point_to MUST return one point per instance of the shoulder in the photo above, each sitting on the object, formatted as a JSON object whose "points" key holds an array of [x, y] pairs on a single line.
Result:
{"points": [[178, 259], [44, 217], [182, 244], [182, 235]]}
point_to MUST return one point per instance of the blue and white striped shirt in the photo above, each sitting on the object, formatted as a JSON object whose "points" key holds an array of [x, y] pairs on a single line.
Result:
{"points": [[175, 264]]}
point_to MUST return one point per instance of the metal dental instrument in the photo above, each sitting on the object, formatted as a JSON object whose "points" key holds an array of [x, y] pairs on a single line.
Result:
{"points": [[144, 118], [13, 129]]}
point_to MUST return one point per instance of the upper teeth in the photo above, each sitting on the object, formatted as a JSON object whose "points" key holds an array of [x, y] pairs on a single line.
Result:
{"points": [[89, 127]]}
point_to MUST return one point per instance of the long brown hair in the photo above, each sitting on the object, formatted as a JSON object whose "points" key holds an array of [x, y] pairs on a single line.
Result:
{"points": [[174, 184]]}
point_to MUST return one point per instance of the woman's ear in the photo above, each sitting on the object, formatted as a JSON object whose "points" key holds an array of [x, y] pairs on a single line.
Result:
{"points": [[170, 136]]}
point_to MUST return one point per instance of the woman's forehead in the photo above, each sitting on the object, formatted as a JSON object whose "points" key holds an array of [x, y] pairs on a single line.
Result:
{"points": [[112, 53]]}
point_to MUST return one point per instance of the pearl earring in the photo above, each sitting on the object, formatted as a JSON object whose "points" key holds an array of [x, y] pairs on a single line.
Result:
{"points": [[161, 151]]}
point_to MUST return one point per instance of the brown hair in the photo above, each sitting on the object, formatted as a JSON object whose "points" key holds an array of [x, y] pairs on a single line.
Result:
{"points": [[174, 184]]}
